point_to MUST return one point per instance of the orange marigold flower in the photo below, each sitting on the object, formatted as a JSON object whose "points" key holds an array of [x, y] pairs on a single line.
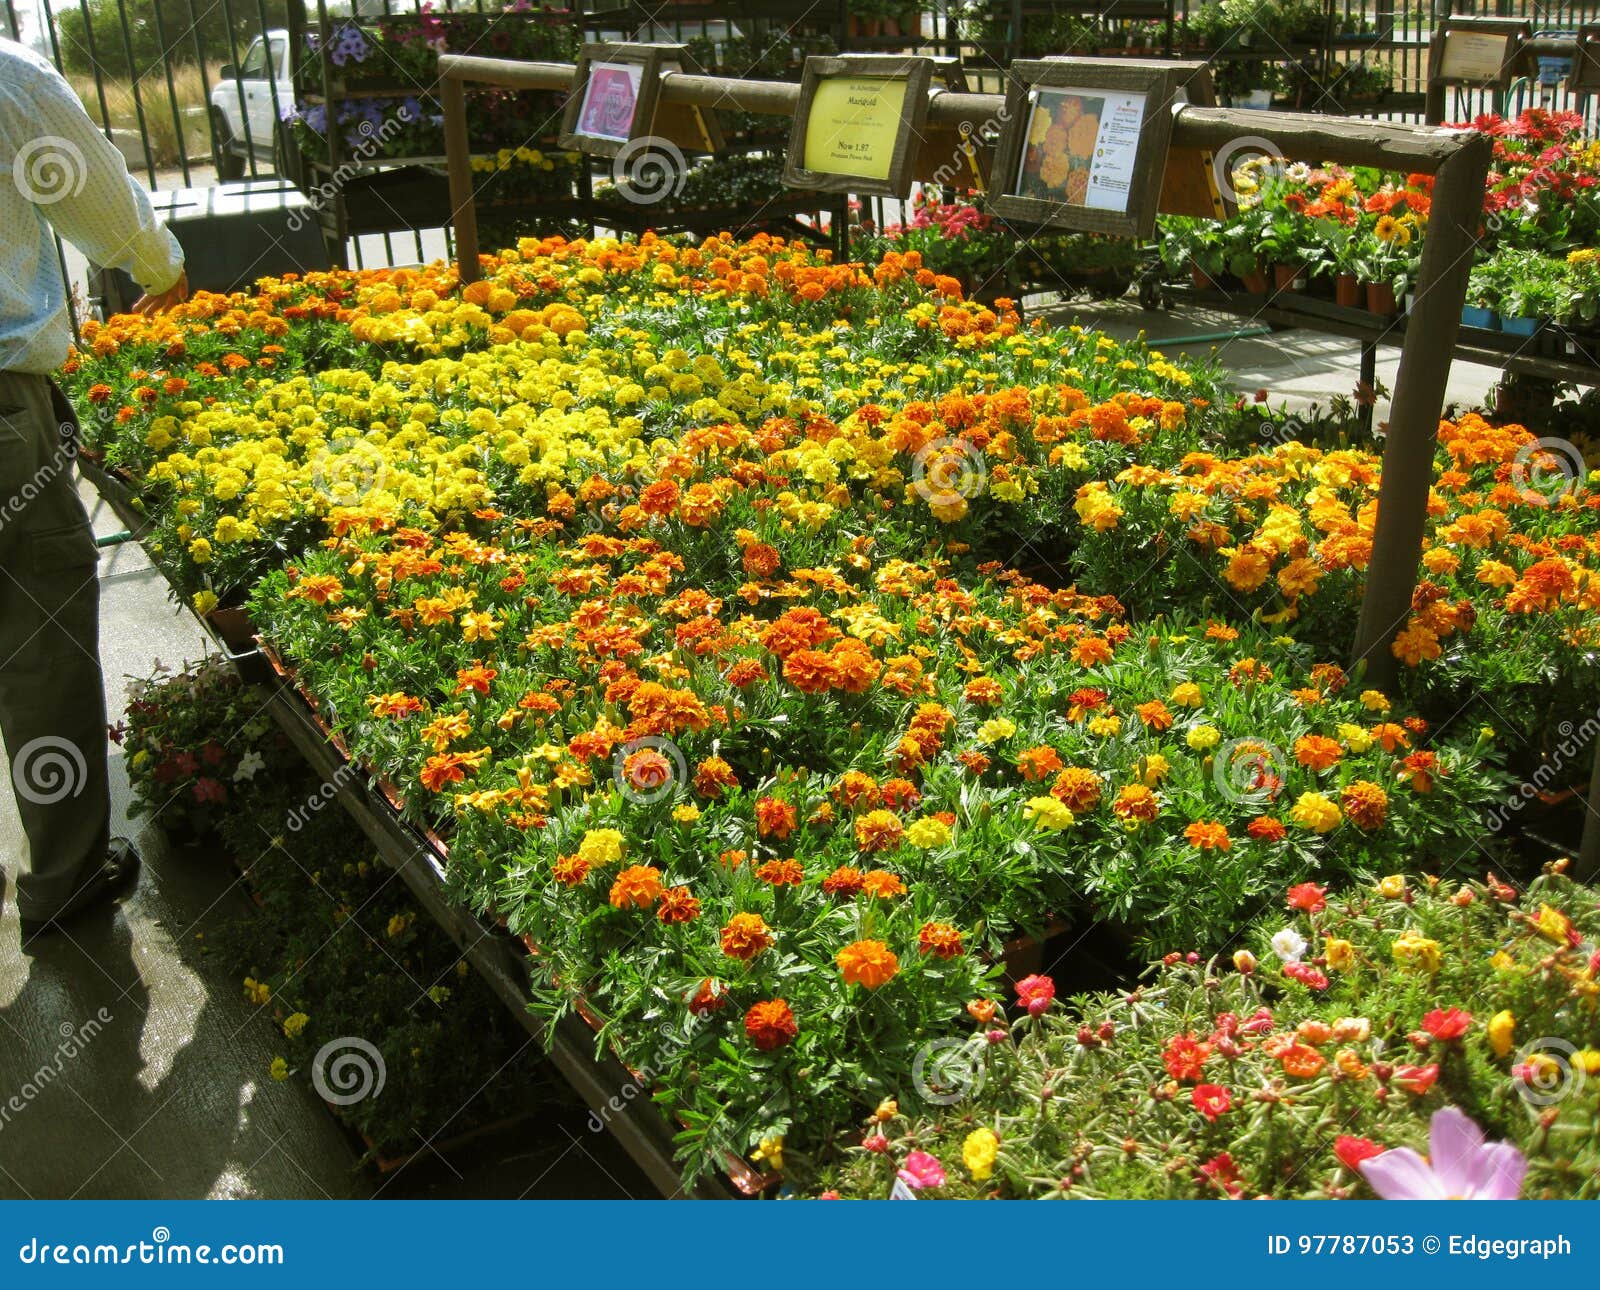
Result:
{"points": [[1039, 762], [975, 762], [678, 905], [1317, 752], [879, 831], [569, 871], [770, 1025], [710, 996], [1207, 835], [844, 881], [732, 859], [1266, 829], [781, 873], [1078, 789], [713, 775], [940, 939], [746, 936], [1391, 735], [882, 884], [638, 884], [660, 498], [761, 560], [1365, 803], [1419, 768], [775, 819], [867, 963], [983, 690], [856, 788], [1135, 804]]}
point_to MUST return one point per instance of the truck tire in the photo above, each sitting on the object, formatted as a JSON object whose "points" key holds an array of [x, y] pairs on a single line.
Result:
{"points": [[229, 164]]}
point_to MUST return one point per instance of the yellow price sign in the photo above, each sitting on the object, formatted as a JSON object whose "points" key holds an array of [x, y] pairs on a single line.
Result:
{"points": [[853, 126]]}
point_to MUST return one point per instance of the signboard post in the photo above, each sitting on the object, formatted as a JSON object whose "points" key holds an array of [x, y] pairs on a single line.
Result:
{"points": [[859, 124], [1585, 75], [1475, 53], [1085, 144]]}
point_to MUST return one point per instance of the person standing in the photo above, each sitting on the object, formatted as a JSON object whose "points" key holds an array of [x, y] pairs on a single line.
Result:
{"points": [[57, 172]]}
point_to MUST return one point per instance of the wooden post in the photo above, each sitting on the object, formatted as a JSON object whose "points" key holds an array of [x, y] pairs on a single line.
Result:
{"points": [[458, 158], [1588, 867], [1419, 389]]}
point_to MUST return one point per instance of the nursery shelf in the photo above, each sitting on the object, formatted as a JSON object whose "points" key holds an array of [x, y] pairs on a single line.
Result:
{"points": [[496, 956]]}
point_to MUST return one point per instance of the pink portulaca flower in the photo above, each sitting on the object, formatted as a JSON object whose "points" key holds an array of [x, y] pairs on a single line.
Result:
{"points": [[1460, 1165]]}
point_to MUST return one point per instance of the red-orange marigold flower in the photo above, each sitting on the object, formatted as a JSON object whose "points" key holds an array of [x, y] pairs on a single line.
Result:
{"points": [[1039, 763], [678, 905], [781, 873], [846, 880], [775, 819], [746, 936], [879, 831], [940, 939], [638, 884], [569, 871], [867, 963], [770, 1025]]}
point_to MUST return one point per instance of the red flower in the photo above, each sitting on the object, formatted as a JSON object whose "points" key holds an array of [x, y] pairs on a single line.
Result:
{"points": [[1306, 975], [1309, 897], [1222, 1172], [1035, 993], [1446, 1024], [1416, 1079], [1184, 1056], [1211, 1100], [1352, 1151], [770, 1025]]}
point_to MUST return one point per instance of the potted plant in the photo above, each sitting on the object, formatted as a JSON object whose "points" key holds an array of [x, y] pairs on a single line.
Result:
{"points": [[1532, 292], [1193, 246], [1385, 260], [1483, 292]]}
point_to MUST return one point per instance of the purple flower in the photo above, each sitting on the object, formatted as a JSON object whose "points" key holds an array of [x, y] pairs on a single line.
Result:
{"points": [[1462, 1167]]}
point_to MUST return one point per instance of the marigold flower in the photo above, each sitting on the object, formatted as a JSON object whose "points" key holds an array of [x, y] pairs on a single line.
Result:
{"points": [[678, 905], [638, 884], [709, 996], [882, 884], [940, 939], [867, 963], [879, 831], [1206, 835], [1038, 763], [927, 833], [1135, 804], [770, 1024], [1315, 812], [1047, 813], [1266, 829], [746, 936], [781, 873], [601, 847], [775, 819], [846, 880], [1317, 752], [1365, 803], [569, 871]]}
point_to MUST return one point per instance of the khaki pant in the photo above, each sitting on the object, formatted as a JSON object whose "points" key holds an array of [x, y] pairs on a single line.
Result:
{"points": [[52, 704]]}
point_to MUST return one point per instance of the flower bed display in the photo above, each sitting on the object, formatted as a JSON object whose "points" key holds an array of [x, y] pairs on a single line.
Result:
{"points": [[1314, 1064], [770, 639]]}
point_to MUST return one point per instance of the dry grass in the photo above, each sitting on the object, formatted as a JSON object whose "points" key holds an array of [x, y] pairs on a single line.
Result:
{"points": [[187, 94]]}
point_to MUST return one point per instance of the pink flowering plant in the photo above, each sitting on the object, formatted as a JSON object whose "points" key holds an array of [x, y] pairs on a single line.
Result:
{"points": [[1405, 1040]]}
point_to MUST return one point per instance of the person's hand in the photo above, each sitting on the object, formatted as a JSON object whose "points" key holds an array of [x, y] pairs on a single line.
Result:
{"points": [[156, 302]]}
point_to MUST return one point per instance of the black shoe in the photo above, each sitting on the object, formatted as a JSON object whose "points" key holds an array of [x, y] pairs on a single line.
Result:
{"points": [[118, 872]]}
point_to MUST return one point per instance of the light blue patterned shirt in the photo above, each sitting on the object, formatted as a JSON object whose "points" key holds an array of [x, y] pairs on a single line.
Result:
{"points": [[57, 170]]}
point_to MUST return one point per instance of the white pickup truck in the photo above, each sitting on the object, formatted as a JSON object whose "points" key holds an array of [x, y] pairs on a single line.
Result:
{"points": [[246, 103]]}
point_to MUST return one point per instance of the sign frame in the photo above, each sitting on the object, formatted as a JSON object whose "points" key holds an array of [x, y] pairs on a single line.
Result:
{"points": [[1158, 82], [911, 134], [656, 61], [1584, 78], [1516, 31]]}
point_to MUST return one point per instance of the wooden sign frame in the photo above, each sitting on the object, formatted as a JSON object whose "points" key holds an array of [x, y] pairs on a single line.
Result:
{"points": [[1157, 81], [688, 127], [1584, 78], [1517, 32], [917, 72]]}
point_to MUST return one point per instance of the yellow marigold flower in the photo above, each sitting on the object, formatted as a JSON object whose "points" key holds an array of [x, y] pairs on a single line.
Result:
{"points": [[1203, 738], [293, 1024], [601, 846], [1156, 769], [928, 833], [1186, 694], [978, 1153], [1356, 738], [688, 813], [279, 1070], [1047, 813], [996, 730], [1315, 812], [1374, 701]]}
